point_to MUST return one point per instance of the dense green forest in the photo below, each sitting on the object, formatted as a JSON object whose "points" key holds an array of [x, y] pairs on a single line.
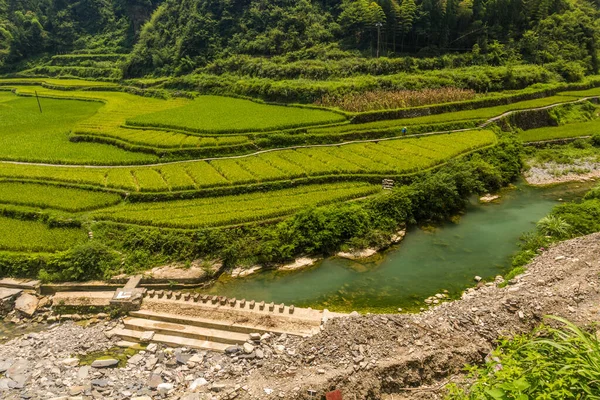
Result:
{"points": [[182, 36]]}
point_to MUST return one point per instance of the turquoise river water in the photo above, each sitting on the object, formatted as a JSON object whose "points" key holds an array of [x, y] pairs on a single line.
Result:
{"points": [[426, 262]]}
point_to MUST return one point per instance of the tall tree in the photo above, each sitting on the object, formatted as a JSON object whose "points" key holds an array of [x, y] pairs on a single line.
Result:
{"points": [[408, 13]]}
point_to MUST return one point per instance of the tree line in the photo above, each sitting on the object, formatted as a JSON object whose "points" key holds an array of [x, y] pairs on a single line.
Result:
{"points": [[179, 36]]}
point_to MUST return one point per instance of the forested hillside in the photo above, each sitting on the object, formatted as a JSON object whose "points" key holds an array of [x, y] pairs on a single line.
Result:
{"points": [[31, 28], [181, 36], [184, 35]]}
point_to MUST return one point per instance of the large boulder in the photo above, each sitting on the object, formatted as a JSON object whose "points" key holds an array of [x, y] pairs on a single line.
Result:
{"points": [[27, 304]]}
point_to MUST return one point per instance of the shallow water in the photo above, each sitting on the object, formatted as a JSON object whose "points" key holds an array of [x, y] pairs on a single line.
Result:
{"points": [[426, 262], [8, 330]]}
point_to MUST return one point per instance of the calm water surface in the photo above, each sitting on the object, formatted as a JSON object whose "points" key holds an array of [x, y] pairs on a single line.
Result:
{"points": [[426, 262]]}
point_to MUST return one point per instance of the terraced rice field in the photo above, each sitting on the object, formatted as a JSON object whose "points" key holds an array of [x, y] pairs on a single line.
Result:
{"points": [[391, 157], [68, 83], [55, 197], [28, 135], [214, 114], [228, 210], [34, 236], [93, 145], [577, 129], [480, 114]]}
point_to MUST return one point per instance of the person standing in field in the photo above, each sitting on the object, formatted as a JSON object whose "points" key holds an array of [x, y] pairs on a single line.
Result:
{"points": [[404, 130]]}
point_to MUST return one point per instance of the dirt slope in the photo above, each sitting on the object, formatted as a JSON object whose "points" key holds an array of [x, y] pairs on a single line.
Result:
{"points": [[411, 356]]}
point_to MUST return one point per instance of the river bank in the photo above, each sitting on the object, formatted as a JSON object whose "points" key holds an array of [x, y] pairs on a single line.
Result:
{"points": [[553, 174], [350, 354], [427, 262]]}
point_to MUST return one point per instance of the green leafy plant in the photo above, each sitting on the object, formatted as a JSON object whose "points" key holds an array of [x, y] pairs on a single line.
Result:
{"points": [[555, 226], [551, 363]]}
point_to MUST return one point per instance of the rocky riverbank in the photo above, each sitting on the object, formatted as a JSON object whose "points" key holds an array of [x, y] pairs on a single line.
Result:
{"points": [[366, 357], [553, 173]]}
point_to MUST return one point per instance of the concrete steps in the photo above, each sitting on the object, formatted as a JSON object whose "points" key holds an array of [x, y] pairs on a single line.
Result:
{"points": [[23, 284], [181, 331], [170, 340], [205, 322], [186, 331], [188, 319]]}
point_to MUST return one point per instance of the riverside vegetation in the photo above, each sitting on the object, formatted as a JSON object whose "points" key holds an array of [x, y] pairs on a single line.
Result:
{"points": [[558, 359]]}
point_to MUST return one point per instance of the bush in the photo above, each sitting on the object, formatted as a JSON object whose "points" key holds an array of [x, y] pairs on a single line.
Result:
{"points": [[555, 226], [595, 140], [550, 363], [570, 71], [581, 144], [88, 261]]}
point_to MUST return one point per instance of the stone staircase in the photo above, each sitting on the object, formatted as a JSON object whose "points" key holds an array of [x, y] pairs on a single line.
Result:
{"points": [[213, 323], [179, 335]]}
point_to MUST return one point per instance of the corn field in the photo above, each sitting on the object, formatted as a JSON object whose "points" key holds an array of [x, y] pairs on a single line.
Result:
{"points": [[382, 100]]}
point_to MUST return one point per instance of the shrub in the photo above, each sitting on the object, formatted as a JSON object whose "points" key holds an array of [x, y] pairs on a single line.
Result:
{"points": [[550, 363], [570, 71], [88, 261], [595, 140], [555, 226], [581, 144]]}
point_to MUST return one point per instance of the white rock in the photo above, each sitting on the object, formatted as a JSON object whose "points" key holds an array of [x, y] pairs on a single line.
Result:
{"points": [[478, 278], [248, 348], [279, 348], [198, 383], [196, 358], [152, 347], [298, 264], [70, 362], [268, 391], [146, 336], [242, 272], [164, 388], [27, 304]]}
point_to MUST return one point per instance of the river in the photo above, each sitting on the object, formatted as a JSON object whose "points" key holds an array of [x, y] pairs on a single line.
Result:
{"points": [[428, 261]]}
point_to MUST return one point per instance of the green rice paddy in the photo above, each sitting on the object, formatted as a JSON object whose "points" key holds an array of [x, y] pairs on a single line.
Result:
{"points": [[34, 236], [119, 143], [227, 210], [30, 135], [215, 114], [576, 129], [55, 197]]}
